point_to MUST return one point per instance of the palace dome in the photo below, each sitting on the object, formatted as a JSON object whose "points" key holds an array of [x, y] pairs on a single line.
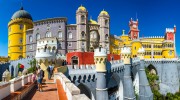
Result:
{"points": [[82, 8], [21, 14], [92, 21], [103, 12]]}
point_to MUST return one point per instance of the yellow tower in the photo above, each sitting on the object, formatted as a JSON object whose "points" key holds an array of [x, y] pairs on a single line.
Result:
{"points": [[19, 23]]}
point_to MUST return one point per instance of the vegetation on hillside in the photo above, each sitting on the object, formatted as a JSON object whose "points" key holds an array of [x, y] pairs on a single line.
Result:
{"points": [[153, 82]]}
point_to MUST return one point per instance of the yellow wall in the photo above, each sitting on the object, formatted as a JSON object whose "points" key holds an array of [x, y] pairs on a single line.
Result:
{"points": [[15, 35], [135, 47], [157, 43]]}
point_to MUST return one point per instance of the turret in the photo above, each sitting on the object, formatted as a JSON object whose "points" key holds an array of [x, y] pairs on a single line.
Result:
{"points": [[126, 55], [100, 58], [82, 29], [20, 22], [104, 22], [141, 52], [134, 31]]}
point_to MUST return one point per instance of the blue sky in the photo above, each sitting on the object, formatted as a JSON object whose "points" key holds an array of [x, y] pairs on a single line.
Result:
{"points": [[154, 15]]}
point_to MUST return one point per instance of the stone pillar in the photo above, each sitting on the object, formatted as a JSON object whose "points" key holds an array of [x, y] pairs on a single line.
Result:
{"points": [[100, 57], [145, 92], [127, 83]]}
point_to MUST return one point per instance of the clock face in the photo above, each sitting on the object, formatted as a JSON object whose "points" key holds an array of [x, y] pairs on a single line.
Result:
{"points": [[134, 26]]}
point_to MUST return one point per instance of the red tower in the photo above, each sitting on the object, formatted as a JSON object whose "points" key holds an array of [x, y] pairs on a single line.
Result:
{"points": [[134, 31], [170, 32]]}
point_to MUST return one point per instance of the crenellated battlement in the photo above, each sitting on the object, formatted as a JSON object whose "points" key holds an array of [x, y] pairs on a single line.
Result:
{"points": [[154, 37], [170, 30], [126, 50]]}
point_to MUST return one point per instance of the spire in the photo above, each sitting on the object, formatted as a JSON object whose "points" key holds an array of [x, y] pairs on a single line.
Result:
{"points": [[21, 6], [123, 32]]}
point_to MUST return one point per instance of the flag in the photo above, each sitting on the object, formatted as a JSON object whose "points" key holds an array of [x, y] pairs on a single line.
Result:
{"points": [[20, 65]]}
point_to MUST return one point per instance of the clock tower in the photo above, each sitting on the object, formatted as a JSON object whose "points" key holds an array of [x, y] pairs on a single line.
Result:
{"points": [[134, 31]]}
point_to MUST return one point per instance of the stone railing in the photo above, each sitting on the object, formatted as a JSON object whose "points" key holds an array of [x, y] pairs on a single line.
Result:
{"points": [[6, 88], [72, 91]]}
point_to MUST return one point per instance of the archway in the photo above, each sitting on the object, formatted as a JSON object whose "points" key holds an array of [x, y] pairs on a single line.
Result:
{"points": [[152, 69], [74, 60], [115, 87], [85, 90]]}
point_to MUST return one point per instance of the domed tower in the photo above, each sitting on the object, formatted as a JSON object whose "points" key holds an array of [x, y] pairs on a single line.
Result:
{"points": [[103, 21], [19, 23], [82, 29]]}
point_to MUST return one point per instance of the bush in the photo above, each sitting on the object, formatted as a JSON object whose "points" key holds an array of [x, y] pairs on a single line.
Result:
{"points": [[31, 69]]}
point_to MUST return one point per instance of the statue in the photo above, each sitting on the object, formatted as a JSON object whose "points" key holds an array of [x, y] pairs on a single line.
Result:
{"points": [[6, 76]]}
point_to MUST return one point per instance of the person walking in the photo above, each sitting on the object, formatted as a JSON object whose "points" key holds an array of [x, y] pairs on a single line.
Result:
{"points": [[40, 75], [49, 72]]}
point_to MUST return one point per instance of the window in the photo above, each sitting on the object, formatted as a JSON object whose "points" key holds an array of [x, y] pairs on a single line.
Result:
{"points": [[70, 44], [60, 34], [37, 36], [83, 43], [59, 27], [83, 34], [21, 26], [134, 48], [48, 27], [20, 47], [106, 37], [20, 40], [70, 35], [170, 52], [106, 23], [30, 47], [30, 39], [48, 34], [82, 18]]}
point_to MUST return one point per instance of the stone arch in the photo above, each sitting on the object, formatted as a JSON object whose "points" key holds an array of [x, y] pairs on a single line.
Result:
{"points": [[116, 85], [53, 48], [85, 90], [152, 69]]}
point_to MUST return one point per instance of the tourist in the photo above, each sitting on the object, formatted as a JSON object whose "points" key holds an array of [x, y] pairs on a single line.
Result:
{"points": [[49, 72], [40, 75]]}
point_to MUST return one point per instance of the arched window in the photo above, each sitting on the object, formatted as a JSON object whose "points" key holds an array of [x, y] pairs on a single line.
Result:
{"points": [[48, 34], [106, 23], [30, 39], [93, 34], [106, 37], [60, 34], [70, 35], [82, 18], [83, 34], [37, 36]]}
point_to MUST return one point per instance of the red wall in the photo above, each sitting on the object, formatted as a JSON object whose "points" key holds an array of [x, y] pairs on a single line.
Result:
{"points": [[170, 36], [87, 57]]}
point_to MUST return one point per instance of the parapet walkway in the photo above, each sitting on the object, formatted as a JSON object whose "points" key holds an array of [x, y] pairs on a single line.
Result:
{"points": [[49, 92]]}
